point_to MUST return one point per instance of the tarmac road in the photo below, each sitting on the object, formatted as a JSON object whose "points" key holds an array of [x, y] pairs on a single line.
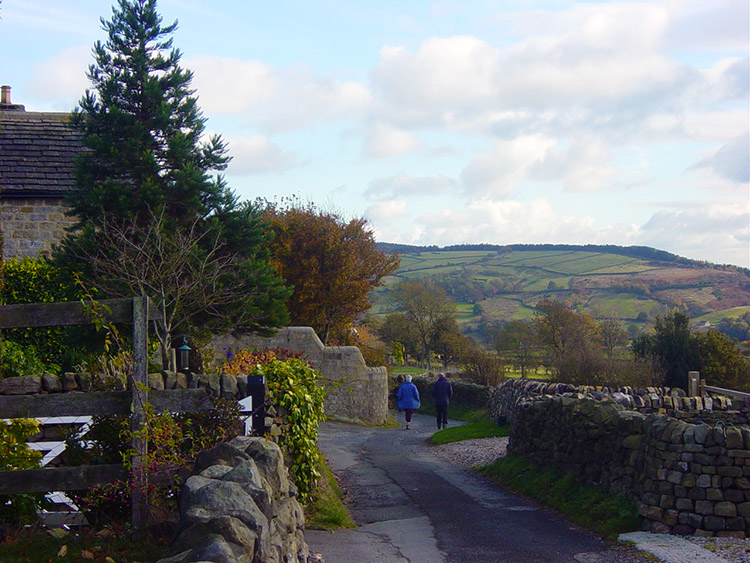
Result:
{"points": [[413, 506]]}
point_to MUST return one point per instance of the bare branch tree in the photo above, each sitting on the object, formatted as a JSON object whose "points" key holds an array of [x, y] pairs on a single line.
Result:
{"points": [[185, 271]]}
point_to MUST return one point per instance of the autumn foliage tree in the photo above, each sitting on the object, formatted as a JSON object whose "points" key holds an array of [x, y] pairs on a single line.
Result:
{"points": [[332, 263]]}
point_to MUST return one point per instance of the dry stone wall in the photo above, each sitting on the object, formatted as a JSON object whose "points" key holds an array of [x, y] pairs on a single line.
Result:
{"points": [[687, 477], [240, 507], [355, 391]]}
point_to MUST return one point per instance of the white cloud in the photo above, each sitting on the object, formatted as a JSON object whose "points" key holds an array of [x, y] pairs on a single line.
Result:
{"points": [[495, 174], [717, 232], [61, 78], [256, 154], [403, 185], [732, 160], [232, 86], [386, 211], [583, 166], [276, 99], [384, 141], [504, 222]]}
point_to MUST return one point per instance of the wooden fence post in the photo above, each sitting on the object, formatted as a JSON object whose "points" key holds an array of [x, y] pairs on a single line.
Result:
{"points": [[694, 383], [139, 508]]}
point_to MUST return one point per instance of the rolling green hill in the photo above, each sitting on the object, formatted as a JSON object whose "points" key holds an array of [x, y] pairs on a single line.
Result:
{"points": [[634, 284]]}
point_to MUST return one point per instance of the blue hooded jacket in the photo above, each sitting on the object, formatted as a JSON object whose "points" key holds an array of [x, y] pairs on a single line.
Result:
{"points": [[408, 396]]}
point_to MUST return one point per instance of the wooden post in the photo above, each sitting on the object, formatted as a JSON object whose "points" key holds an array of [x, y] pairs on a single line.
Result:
{"points": [[694, 383], [139, 508]]}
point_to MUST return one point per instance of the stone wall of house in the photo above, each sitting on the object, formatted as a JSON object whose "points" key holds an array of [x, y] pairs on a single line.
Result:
{"points": [[687, 476], [32, 225], [355, 391]]}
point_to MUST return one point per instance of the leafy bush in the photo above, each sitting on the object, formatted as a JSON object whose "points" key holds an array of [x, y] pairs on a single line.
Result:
{"points": [[239, 361], [174, 442], [294, 387], [36, 280], [17, 360], [15, 455]]}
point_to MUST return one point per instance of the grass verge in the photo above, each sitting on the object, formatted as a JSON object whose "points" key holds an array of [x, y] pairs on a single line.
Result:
{"points": [[609, 515], [480, 426], [327, 510], [105, 546]]}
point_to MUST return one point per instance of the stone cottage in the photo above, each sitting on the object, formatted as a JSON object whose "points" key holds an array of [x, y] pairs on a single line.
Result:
{"points": [[37, 154]]}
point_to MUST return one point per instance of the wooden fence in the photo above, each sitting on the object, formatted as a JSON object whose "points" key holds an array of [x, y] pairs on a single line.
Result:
{"points": [[697, 387], [137, 312]]}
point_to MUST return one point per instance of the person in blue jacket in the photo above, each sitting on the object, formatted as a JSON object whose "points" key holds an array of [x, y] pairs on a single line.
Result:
{"points": [[408, 399], [442, 391]]}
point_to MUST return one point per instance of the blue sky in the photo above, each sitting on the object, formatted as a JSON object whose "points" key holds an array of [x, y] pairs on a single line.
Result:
{"points": [[457, 122]]}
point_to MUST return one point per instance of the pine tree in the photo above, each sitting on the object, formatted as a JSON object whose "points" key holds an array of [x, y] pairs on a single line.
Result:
{"points": [[147, 159], [143, 127]]}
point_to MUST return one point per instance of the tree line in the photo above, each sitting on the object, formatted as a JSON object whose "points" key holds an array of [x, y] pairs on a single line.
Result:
{"points": [[570, 345]]}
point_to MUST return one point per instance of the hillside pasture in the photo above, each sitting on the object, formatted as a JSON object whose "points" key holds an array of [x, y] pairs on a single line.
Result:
{"points": [[715, 316], [509, 283], [623, 306]]}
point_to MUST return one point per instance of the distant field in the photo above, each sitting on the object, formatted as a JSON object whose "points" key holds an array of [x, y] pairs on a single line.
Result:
{"points": [[508, 283], [716, 316]]}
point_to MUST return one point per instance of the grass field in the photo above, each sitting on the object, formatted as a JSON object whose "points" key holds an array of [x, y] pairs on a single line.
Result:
{"points": [[511, 282]]}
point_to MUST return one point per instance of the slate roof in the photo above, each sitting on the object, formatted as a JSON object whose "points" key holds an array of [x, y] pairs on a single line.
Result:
{"points": [[37, 153]]}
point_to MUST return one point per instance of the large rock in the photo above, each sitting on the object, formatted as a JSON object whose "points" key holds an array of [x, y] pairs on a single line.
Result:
{"points": [[240, 507], [24, 385]]}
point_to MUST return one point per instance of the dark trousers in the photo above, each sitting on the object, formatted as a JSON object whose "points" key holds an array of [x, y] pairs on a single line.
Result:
{"points": [[442, 415], [407, 414]]}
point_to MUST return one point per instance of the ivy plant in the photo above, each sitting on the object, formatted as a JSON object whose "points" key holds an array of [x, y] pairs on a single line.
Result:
{"points": [[296, 388]]}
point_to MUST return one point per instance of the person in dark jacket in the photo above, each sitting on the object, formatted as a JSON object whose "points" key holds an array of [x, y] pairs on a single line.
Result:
{"points": [[442, 391], [408, 399]]}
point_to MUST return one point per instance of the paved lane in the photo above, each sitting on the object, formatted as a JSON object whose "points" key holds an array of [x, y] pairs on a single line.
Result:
{"points": [[413, 506]]}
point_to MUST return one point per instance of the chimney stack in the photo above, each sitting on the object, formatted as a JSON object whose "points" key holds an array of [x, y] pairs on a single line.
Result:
{"points": [[5, 103]]}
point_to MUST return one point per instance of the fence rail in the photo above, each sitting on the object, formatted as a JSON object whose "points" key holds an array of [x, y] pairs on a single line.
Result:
{"points": [[135, 311], [697, 387]]}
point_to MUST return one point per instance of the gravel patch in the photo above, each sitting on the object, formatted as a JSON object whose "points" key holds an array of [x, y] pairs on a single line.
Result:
{"points": [[475, 453], [472, 453], [731, 549]]}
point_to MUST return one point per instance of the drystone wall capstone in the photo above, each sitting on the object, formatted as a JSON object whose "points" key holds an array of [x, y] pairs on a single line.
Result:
{"points": [[354, 390], [687, 476]]}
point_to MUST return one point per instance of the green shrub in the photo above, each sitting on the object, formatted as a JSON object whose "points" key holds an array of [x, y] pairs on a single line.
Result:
{"points": [[16, 510], [17, 360], [295, 387], [36, 280]]}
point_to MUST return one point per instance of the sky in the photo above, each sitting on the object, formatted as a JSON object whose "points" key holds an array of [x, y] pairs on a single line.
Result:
{"points": [[444, 122]]}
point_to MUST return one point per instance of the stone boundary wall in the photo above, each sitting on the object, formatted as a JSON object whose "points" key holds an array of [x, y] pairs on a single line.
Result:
{"points": [[240, 507], [688, 478], [32, 225], [355, 391], [659, 400], [465, 394]]}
